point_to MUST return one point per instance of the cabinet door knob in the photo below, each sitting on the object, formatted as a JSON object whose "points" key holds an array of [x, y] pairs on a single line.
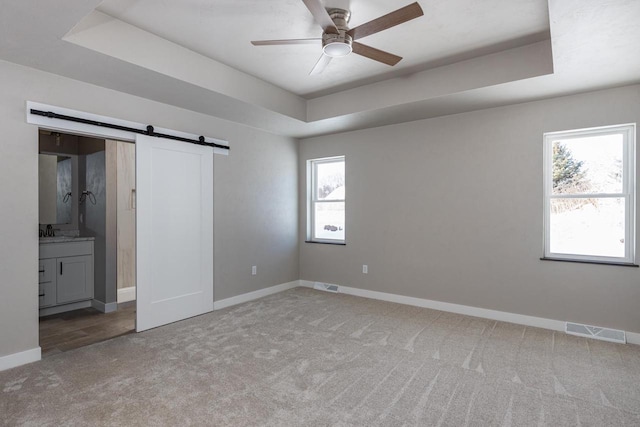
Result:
{"points": [[41, 295], [41, 271]]}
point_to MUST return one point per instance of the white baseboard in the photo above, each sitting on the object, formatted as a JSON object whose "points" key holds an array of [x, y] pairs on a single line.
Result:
{"points": [[126, 294], [239, 299], [33, 355], [18, 359], [633, 338], [105, 308], [503, 316]]}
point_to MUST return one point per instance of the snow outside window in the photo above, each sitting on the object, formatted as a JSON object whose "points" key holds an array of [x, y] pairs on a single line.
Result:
{"points": [[589, 186], [326, 200]]}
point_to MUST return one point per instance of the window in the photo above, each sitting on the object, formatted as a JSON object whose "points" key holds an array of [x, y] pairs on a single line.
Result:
{"points": [[589, 185], [326, 196]]}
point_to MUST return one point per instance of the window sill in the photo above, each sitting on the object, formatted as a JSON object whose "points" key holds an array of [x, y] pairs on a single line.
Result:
{"points": [[326, 243], [581, 261]]}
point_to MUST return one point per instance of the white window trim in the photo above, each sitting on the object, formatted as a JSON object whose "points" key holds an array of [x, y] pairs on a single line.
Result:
{"points": [[312, 198], [628, 191]]}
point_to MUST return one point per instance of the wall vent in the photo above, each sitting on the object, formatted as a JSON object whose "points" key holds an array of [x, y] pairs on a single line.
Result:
{"points": [[604, 334], [325, 287]]}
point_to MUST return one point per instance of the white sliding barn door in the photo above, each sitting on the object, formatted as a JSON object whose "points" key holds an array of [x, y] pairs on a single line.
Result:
{"points": [[174, 231]]}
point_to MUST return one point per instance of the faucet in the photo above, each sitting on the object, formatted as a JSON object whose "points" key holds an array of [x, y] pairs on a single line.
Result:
{"points": [[50, 232]]}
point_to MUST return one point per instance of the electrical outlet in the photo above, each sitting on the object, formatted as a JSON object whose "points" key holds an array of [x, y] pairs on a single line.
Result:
{"points": [[254, 270], [365, 269]]}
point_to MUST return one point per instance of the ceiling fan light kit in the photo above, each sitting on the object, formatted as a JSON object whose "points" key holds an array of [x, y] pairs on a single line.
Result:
{"points": [[338, 45], [338, 39]]}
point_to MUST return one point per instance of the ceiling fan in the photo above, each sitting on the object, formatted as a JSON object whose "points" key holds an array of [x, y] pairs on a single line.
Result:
{"points": [[338, 40]]}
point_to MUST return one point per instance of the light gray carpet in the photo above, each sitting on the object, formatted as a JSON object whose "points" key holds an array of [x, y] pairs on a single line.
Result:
{"points": [[304, 357]]}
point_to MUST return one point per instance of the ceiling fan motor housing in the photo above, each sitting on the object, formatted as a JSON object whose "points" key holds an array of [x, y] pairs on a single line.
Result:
{"points": [[336, 45]]}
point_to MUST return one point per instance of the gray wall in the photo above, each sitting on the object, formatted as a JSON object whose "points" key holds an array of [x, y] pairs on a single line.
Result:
{"points": [[450, 209], [255, 194], [48, 188], [255, 213], [93, 177]]}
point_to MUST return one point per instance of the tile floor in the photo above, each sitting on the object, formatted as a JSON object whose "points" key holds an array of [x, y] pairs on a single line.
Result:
{"points": [[67, 331]]}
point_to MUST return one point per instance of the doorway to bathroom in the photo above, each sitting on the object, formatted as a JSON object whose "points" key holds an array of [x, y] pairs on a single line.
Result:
{"points": [[87, 265], [174, 180]]}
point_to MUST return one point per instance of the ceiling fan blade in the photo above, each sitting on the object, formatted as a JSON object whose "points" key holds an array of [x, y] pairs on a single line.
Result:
{"points": [[389, 20], [321, 64], [282, 42], [375, 54], [321, 16]]}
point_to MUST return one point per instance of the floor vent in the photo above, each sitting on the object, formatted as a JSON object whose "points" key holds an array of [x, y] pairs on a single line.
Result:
{"points": [[326, 287], [605, 334]]}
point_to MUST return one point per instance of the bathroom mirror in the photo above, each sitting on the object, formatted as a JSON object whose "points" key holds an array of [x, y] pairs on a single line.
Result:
{"points": [[57, 176]]}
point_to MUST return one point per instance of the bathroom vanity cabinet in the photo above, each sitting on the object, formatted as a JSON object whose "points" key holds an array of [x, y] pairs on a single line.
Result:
{"points": [[65, 274]]}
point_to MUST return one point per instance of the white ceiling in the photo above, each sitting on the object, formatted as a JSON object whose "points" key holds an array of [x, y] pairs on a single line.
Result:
{"points": [[463, 55], [222, 30]]}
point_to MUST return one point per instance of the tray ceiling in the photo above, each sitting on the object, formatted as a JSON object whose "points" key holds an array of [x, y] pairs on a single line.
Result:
{"points": [[462, 55], [450, 31]]}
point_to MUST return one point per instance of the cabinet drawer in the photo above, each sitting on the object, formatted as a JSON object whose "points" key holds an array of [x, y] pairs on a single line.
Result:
{"points": [[57, 250], [46, 294], [46, 270]]}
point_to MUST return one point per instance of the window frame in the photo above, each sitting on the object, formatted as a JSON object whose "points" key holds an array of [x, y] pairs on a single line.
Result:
{"points": [[312, 198], [628, 132]]}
